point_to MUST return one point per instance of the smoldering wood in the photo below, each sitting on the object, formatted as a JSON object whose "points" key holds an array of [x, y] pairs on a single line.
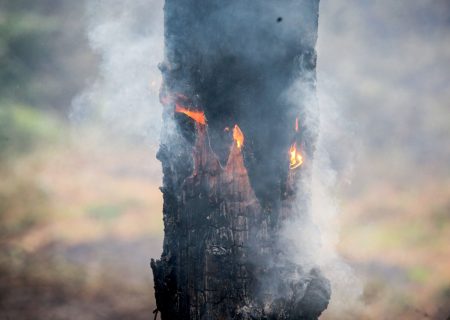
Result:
{"points": [[224, 205]]}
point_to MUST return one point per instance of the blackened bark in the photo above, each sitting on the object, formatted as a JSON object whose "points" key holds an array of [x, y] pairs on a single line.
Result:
{"points": [[225, 204]]}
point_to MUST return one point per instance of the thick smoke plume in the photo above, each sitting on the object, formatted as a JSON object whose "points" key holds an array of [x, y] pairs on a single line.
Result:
{"points": [[313, 238], [128, 37], [333, 161]]}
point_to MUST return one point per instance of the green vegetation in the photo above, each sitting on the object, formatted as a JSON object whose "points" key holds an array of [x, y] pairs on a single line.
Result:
{"points": [[419, 274], [44, 59], [22, 129], [106, 212], [24, 50], [37, 83]]}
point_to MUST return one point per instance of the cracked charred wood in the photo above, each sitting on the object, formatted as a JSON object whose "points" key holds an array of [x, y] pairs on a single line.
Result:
{"points": [[233, 147]]}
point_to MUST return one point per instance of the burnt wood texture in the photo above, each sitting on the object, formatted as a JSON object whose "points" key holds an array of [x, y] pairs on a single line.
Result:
{"points": [[226, 200]]}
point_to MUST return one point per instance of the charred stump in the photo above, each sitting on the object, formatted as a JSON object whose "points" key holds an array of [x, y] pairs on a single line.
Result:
{"points": [[233, 147]]}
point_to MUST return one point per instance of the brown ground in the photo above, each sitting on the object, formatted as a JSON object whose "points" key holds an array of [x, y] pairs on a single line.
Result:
{"points": [[82, 219]]}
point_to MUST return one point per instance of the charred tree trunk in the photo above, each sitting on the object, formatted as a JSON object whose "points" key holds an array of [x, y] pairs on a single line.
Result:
{"points": [[232, 149]]}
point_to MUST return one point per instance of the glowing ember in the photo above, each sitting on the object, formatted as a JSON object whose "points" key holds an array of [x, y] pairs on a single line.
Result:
{"points": [[296, 159], [238, 136], [197, 116], [296, 124]]}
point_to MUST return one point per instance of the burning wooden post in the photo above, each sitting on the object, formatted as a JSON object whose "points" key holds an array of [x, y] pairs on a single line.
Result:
{"points": [[232, 148]]}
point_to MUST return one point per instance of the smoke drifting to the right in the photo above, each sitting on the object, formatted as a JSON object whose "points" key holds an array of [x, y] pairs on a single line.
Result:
{"points": [[381, 131], [382, 66]]}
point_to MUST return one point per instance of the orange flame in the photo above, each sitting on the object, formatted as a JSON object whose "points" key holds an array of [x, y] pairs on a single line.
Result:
{"points": [[238, 136], [296, 159], [197, 116]]}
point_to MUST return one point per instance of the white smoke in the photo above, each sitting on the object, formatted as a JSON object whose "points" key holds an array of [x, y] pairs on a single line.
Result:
{"points": [[128, 37], [315, 236], [334, 145]]}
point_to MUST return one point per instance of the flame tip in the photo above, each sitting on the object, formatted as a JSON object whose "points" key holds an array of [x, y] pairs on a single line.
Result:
{"points": [[238, 136], [296, 158]]}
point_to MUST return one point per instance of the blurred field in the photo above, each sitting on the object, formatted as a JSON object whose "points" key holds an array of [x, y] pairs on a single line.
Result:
{"points": [[80, 220], [80, 209], [396, 237], [81, 217]]}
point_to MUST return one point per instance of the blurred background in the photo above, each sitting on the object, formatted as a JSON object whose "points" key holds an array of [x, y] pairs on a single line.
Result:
{"points": [[80, 208]]}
